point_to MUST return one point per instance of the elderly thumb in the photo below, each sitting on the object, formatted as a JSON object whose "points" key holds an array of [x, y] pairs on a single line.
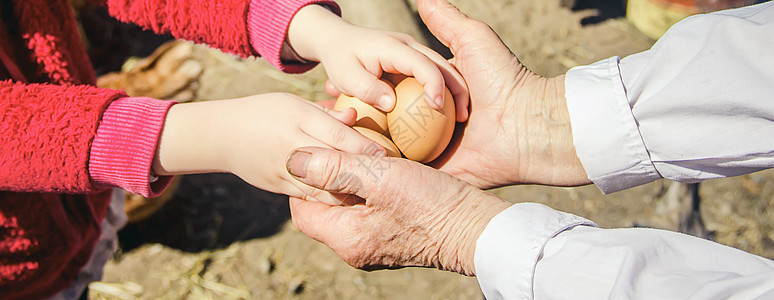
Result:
{"points": [[314, 219], [332, 170], [443, 19]]}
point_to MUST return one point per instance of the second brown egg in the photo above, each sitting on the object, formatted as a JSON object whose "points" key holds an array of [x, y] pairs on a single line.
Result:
{"points": [[367, 116]]}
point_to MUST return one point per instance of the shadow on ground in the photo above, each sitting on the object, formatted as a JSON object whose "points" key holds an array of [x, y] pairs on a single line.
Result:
{"points": [[209, 212], [605, 9]]}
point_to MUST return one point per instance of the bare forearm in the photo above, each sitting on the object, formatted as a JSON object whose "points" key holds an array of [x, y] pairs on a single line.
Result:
{"points": [[191, 141]]}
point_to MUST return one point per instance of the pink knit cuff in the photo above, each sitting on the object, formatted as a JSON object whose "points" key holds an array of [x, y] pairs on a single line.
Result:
{"points": [[267, 24], [122, 152]]}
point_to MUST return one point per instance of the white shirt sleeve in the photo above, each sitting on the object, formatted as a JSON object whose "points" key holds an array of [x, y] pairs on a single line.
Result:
{"points": [[511, 245], [530, 251], [696, 106]]}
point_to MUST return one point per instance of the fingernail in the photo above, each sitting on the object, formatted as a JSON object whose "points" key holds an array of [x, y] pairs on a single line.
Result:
{"points": [[297, 163], [439, 101], [380, 153], [374, 149], [384, 103]]}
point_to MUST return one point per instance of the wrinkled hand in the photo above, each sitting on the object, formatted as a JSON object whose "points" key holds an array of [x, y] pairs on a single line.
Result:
{"points": [[408, 214], [252, 137], [356, 57], [518, 130]]}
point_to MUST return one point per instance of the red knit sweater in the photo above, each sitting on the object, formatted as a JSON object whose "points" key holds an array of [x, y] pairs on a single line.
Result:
{"points": [[63, 141]]}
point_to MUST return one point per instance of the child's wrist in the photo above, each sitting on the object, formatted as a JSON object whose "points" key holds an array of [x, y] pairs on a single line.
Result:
{"points": [[311, 29], [288, 54], [190, 141]]}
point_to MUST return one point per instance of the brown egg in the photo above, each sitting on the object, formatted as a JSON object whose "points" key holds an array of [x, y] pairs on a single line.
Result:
{"points": [[420, 132], [393, 79], [367, 116], [392, 150]]}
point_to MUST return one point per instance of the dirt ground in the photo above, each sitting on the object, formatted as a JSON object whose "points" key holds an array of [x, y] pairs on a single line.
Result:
{"points": [[222, 239]]}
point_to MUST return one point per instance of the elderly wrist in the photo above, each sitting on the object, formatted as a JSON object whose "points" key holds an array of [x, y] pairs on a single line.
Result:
{"points": [[547, 151], [568, 169], [466, 225]]}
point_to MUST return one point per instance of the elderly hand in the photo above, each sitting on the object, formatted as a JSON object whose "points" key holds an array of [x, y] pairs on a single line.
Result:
{"points": [[407, 214], [519, 129]]}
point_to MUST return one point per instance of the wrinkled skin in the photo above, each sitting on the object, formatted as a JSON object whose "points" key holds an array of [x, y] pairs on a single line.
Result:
{"points": [[519, 130], [422, 217]]}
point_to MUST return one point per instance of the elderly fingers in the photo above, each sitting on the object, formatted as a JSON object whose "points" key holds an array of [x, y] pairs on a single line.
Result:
{"points": [[337, 172]]}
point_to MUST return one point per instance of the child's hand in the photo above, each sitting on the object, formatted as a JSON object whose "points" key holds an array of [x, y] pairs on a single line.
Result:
{"points": [[355, 59], [252, 138]]}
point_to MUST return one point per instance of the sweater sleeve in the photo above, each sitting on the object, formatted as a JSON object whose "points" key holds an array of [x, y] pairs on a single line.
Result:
{"points": [[268, 23], [125, 144], [221, 24], [241, 27], [46, 135]]}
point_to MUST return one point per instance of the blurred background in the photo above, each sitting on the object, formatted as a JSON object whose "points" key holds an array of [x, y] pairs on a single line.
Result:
{"points": [[215, 237]]}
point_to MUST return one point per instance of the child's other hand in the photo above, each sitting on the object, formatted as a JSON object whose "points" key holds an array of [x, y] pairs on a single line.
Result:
{"points": [[355, 59], [253, 137]]}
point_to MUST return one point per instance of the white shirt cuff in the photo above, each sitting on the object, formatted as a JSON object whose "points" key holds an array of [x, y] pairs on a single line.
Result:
{"points": [[605, 133], [511, 245]]}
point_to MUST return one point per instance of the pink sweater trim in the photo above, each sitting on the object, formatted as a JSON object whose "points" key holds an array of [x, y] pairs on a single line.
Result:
{"points": [[267, 24], [123, 150]]}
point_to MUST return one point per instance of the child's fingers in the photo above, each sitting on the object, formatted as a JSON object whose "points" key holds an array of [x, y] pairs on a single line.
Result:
{"points": [[454, 81], [408, 61], [329, 104], [365, 85], [346, 116], [332, 132], [331, 89]]}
